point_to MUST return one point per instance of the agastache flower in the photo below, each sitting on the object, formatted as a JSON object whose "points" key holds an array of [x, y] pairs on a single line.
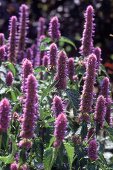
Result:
{"points": [[9, 78], [23, 27], [14, 166], [34, 50], [105, 87], [97, 52], [57, 105], [61, 74], [45, 61], [53, 55], [29, 54], [2, 39], [87, 38], [4, 115], [100, 111], [108, 111], [87, 93], [27, 69], [71, 69], [41, 26], [12, 41], [54, 26], [60, 129], [92, 150], [2, 53], [30, 110]]}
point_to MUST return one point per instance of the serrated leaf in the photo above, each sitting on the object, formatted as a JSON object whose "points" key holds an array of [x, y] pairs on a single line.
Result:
{"points": [[68, 41], [70, 153]]}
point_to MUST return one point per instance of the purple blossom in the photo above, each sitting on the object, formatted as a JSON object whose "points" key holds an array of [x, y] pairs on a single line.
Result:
{"points": [[45, 61], [34, 50], [105, 87], [61, 74], [100, 111], [2, 39], [54, 26], [92, 150], [26, 144], [87, 38], [9, 78], [60, 129], [29, 54], [108, 111], [57, 105], [30, 110], [4, 115], [87, 93], [12, 41], [53, 55], [23, 27], [71, 69], [97, 52], [14, 166], [41, 26], [2, 53]]}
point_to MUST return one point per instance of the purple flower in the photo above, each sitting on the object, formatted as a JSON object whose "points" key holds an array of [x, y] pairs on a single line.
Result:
{"points": [[87, 38], [97, 52], [87, 93], [41, 26], [27, 69], [9, 78], [53, 55], [12, 41], [57, 105], [2, 39], [14, 166], [54, 26], [45, 61], [100, 111], [29, 54], [105, 87], [92, 150], [71, 69], [60, 129], [26, 144], [34, 50], [23, 27], [4, 115], [108, 111], [30, 110], [2, 53], [61, 74]]}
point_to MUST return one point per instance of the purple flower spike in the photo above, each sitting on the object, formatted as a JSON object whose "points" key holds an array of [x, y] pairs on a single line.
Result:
{"points": [[61, 74], [92, 150], [2, 39], [57, 105], [71, 69], [14, 166], [100, 111], [26, 144], [105, 87], [54, 26], [12, 41], [23, 27], [97, 52], [53, 55], [108, 111], [87, 38], [60, 129], [87, 93], [2, 53], [30, 110], [4, 115], [9, 78], [34, 50], [45, 61], [41, 26], [27, 69], [29, 54]]}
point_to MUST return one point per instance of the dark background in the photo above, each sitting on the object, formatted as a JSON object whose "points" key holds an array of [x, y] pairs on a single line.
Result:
{"points": [[70, 13]]}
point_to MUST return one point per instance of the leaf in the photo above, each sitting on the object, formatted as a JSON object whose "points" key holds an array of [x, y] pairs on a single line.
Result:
{"points": [[11, 67], [40, 69], [7, 159], [46, 40], [68, 41], [48, 156], [73, 95], [70, 153]]}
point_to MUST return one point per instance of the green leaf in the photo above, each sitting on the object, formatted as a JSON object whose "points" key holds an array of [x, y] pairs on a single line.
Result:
{"points": [[48, 156], [11, 67], [40, 69], [70, 153], [7, 159], [68, 41]]}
